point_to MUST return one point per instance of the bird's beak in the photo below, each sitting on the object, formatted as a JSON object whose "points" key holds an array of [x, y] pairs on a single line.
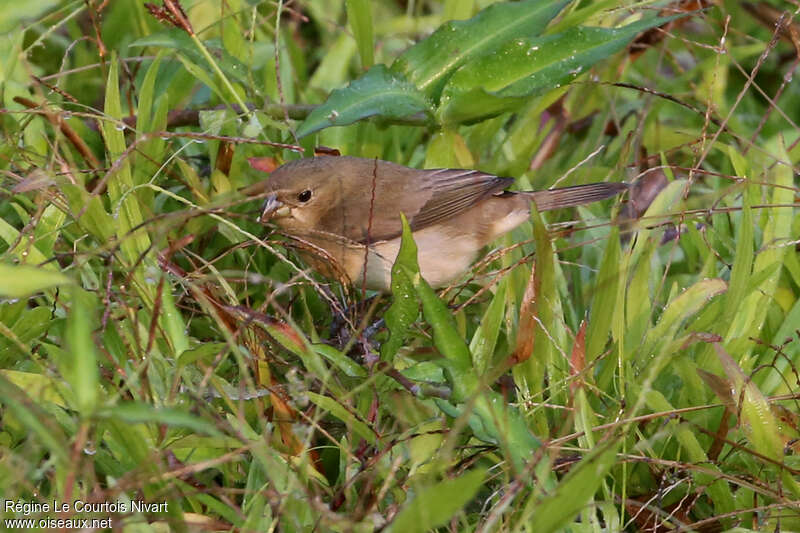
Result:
{"points": [[273, 208]]}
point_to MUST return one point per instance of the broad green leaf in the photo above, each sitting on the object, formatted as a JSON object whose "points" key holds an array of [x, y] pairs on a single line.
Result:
{"points": [[560, 507], [500, 82], [433, 506], [379, 92], [430, 62], [339, 411], [458, 362], [20, 281], [506, 426], [405, 306], [359, 16]]}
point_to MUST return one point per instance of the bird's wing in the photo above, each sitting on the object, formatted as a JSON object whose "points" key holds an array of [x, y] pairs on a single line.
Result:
{"points": [[425, 197], [453, 191]]}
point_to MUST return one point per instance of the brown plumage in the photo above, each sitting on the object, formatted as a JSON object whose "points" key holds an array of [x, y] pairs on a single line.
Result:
{"points": [[341, 205]]}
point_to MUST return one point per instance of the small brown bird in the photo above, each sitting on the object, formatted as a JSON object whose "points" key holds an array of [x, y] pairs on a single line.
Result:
{"points": [[342, 206]]}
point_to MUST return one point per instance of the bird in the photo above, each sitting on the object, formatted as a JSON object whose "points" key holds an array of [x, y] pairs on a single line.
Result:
{"points": [[346, 211]]}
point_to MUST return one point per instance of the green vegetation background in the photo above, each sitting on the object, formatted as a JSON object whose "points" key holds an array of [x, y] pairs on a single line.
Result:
{"points": [[157, 344]]}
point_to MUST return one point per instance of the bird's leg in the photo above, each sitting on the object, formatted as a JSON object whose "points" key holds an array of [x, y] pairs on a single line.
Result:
{"points": [[345, 335]]}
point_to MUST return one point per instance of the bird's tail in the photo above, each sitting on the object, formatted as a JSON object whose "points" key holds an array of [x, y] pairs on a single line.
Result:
{"points": [[549, 199]]}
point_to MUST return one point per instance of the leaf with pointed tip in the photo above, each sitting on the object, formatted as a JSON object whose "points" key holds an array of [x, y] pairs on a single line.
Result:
{"points": [[501, 81], [433, 506], [379, 92], [405, 306], [429, 63]]}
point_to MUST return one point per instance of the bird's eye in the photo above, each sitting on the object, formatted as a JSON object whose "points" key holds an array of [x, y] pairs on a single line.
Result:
{"points": [[304, 196]]}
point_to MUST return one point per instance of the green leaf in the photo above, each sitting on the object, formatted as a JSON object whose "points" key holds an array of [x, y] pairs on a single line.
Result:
{"points": [[20, 281], [777, 226], [134, 242], [405, 307], [500, 82], [378, 92], [172, 321], [38, 387], [80, 368], [561, 506], [175, 39], [434, 506], [339, 411], [359, 16], [458, 361], [142, 413], [21, 250], [429, 63], [718, 490], [506, 426], [344, 363], [688, 303], [485, 338], [41, 426], [605, 298]]}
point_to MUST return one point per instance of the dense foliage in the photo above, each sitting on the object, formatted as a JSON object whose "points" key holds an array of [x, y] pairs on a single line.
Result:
{"points": [[158, 344]]}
